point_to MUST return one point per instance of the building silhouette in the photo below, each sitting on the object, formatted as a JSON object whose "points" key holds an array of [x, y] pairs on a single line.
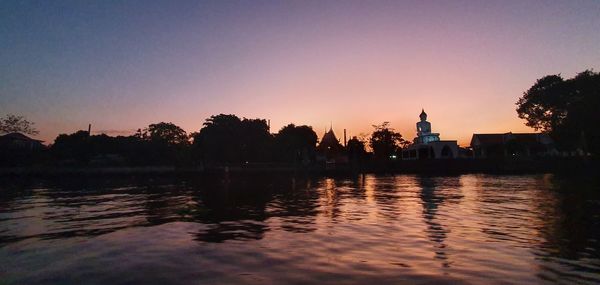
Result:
{"points": [[427, 145], [330, 150], [512, 145], [19, 141]]}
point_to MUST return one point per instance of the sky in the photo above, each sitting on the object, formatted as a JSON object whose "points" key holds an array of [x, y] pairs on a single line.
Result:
{"points": [[122, 65]]}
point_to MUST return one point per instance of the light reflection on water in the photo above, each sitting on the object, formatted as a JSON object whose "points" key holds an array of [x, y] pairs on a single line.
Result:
{"points": [[255, 230]]}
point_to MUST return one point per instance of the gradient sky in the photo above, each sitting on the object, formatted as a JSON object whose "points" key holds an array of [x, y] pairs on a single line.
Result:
{"points": [[122, 65]]}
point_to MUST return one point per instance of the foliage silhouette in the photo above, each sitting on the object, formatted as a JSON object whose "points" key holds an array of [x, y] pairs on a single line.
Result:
{"points": [[295, 143], [384, 141], [229, 139], [565, 109], [17, 124], [166, 133], [356, 151], [158, 144]]}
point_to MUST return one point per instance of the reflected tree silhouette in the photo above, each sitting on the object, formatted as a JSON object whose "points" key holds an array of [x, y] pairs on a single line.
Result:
{"points": [[238, 209], [569, 223], [296, 206], [235, 209]]}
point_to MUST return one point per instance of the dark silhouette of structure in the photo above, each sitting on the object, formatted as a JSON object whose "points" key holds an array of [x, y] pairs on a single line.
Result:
{"points": [[512, 145], [18, 141], [17, 149], [427, 145], [227, 142], [330, 150]]}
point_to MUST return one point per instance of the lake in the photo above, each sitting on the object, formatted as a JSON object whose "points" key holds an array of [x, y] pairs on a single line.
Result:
{"points": [[402, 229]]}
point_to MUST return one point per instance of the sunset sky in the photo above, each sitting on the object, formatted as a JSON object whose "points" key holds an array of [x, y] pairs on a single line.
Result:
{"points": [[121, 65]]}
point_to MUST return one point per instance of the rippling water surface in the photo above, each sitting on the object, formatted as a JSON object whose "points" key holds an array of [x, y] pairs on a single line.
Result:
{"points": [[264, 230]]}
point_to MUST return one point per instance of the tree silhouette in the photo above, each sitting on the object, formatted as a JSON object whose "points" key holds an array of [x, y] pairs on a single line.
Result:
{"points": [[158, 144], [293, 142], [166, 133], [72, 146], [255, 140], [17, 124], [544, 104], [218, 141], [229, 139], [566, 109], [384, 141], [356, 150]]}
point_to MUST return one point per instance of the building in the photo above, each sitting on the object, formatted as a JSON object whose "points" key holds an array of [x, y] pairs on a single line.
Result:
{"points": [[512, 145], [18, 141], [427, 145], [330, 150]]}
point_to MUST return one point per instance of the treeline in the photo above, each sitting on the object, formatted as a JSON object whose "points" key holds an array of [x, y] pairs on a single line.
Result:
{"points": [[566, 109], [222, 140]]}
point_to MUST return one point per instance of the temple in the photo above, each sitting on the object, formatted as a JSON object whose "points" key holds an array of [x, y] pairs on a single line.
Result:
{"points": [[330, 150], [427, 145]]}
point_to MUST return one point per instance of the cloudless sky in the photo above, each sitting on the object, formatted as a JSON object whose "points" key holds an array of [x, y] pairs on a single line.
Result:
{"points": [[122, 65]]}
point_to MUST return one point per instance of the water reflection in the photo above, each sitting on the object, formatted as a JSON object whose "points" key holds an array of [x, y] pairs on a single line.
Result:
{"points": [[435, 231], [388, 228], [236, 209], [570, 229]]}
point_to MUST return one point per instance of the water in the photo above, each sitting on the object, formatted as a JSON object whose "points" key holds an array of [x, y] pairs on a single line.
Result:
{"points": [[262, 230]]}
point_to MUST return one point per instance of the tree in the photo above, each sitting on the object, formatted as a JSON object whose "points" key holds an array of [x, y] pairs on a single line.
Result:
{"points": [[565, 109], [17, 124], [293, 142], [72, 146], [166, 133], [356, 150], [384, 141], [217, 141], [256, 140], [229, 139], [543, 106], [137, 149]]}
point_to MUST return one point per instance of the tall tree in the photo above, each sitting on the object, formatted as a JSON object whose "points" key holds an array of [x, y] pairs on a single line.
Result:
{"points": [[255, 140], [384, 141], [229, 139], [356, 150], [17, 124], [217, 141], [294, 143], [565, 109], [543, 106]]}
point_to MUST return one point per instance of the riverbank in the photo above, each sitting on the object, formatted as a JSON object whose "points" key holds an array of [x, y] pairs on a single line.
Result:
{"points": [[439, 167]]}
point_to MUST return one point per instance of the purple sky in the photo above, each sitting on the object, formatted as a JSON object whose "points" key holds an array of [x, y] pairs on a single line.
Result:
{"points": [[122, 65]]}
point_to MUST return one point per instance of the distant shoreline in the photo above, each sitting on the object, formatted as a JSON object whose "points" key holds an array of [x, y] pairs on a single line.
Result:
{"points": [[437, 167]]}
